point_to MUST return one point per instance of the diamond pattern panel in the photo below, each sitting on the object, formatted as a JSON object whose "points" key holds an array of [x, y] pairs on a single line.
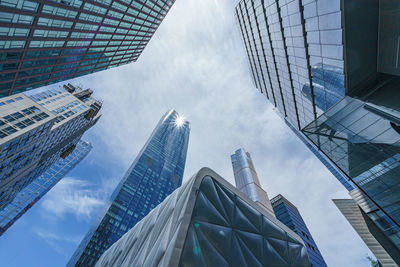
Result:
{"points": [[204, 223], [226, 231]]}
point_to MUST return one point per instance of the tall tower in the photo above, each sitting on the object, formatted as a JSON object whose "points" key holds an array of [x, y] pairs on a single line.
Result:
{"points": [[246, 179], [154, 174], [33, 192], [43, 42], [333, 75], [289, 215], [37, 128]]}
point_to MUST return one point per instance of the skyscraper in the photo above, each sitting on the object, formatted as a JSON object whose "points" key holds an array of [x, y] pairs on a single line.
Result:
{"points": [[207, 222], [385, 252], [247, 181], [154, 174], [330, 67], [43, 42], [37, 129], [288, 214], [34, 191]]}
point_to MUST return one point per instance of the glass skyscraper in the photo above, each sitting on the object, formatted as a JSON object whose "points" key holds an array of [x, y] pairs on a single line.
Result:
{"points": [[288, 214], [43, 42], [37, 128], [246, 179], [154, 174], [331, 69], [33, 192]]}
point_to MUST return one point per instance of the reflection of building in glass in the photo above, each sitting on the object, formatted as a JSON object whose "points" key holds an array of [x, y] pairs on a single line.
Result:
{"points": [[207, 222], [298, 52], [246, 179], [358, 135], [328, 86], [288, 214], [33, 192], [43, 42], [36, 129], [155, 173]]}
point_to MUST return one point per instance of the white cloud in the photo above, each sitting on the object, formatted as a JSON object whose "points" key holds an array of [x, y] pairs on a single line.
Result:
{"points": [[72, 196]]}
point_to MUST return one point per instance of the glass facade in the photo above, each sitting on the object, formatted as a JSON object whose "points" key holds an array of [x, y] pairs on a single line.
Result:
{"points": [[246, 179], [332, 72], [206, 222], [362, 136], [43, 42], [288, 214], [296, 54], [33, 192], [30, 150], [156, 172]]}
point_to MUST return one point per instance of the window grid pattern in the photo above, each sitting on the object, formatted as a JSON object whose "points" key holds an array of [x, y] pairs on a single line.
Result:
{"points": [[35, 190], [28, 152], [288, 214], [156, 172], [295, 50], [362, 137], [47, 41]]}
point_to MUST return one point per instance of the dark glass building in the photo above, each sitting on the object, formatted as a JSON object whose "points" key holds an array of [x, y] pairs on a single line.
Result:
{"points": [[33, 192], [43, 42], [288, 214], [332, 70], [208, 222], [155, 173]]}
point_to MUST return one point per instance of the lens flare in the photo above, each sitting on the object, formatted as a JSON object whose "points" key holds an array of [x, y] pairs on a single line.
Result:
{"points": [[179, 121]]}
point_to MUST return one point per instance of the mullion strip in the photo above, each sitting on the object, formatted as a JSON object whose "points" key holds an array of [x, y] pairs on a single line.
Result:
{"points": [[256, 50], [288, 63], [247, 51], [306, 47], [263, 51], [251, 51], [273, 56]]}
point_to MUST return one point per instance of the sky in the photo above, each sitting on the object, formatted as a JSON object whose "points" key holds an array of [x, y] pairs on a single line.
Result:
{"points": [[196, 64]]}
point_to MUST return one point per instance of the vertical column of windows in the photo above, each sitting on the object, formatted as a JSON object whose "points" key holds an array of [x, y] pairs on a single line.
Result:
{"points": [[270, 16], [251, 19], [262, 32], [323, 26], [246, 35], [292, 25], [278, 42]]}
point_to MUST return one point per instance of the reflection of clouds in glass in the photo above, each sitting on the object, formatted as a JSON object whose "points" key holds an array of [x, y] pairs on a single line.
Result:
{"points": [[328, 82]]}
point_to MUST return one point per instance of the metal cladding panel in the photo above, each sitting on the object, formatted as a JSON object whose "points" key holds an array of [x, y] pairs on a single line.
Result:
{"points": [[353, 214], [207, 222]]}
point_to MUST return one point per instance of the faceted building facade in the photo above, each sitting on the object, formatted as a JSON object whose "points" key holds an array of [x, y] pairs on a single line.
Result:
{"points": [[43, 42], [385, 252], [207, 222], [247, 181], [155, 173], [289, 215], [331, 69], [34, 191], [37, 129]]}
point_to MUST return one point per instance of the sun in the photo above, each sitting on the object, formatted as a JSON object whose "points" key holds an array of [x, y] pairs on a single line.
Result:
{"points": [[179, 120]]}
